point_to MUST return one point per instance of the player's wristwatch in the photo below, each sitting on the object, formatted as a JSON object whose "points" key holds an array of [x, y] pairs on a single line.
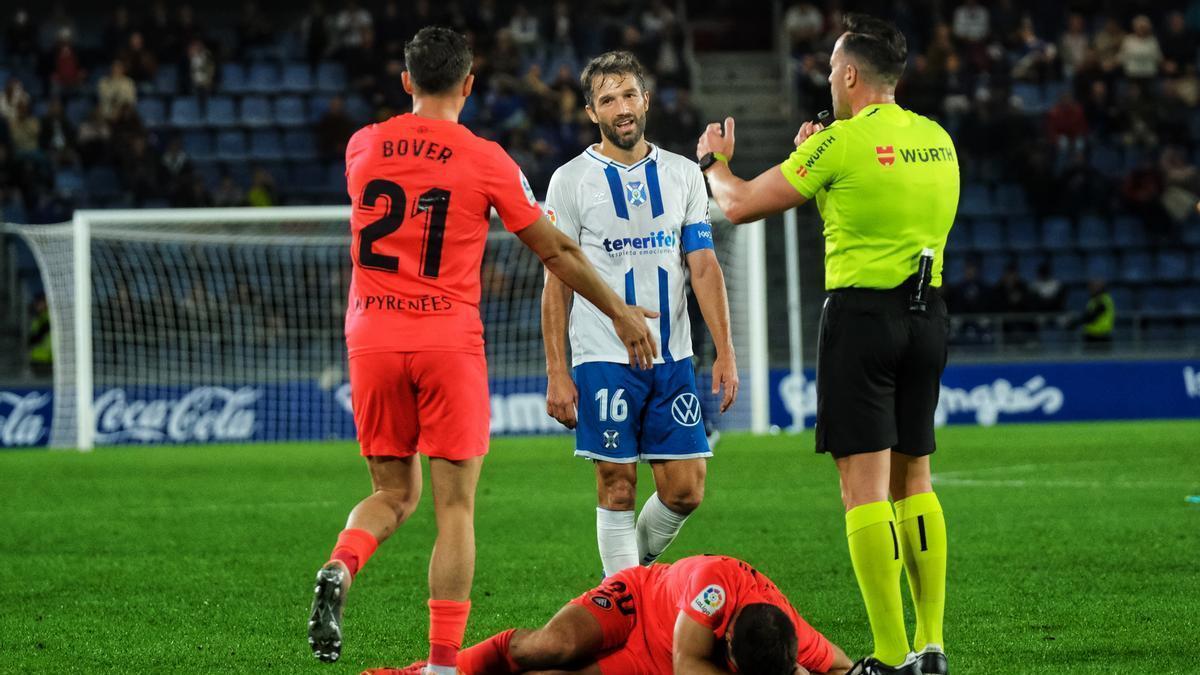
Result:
{"points": [[711, 158]]}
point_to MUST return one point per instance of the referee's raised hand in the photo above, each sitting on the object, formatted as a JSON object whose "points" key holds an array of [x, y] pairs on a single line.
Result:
{"points": [[807, 129]]}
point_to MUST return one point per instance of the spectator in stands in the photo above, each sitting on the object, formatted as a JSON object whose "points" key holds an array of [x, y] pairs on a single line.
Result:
{"points": [[58, 21], [1107, 44], [971, 28], [349, 26], [201, 69], [115, 90], [176, 164], [334, 130], [126, 128], [1142, 191], [525, 30], [1078, 188], [1048, 292], [66, 71], [1140, 115], [116, 34], [803, 23], [390, 97], [1035, 58], [679, 122], [139, 171], [1073, 45], [262, 189], [93, 139], [1066, 123], [1178, 45], [363, 62], [1181, 188], [24, 129], [315, 30], [1099, 317], [191, 192], [57, 136], [253, 29], [227, 192], [183, 31], [140, 63], [20, 40], [159, 28], [392, 29], [14, 95], [505, 58], [969, 296], [1140, 55], [1012, 296], [40, 345]]}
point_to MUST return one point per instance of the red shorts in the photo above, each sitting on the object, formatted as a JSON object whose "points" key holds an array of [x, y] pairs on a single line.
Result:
{"points": [[627, 644], [434, 403]]}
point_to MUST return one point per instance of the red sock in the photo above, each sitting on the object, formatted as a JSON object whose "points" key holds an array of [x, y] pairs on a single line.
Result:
{"points": [[489, 657], [354, 548], [447, 623]]}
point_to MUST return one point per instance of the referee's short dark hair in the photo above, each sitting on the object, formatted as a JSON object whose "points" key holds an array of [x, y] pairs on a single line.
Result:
{"points": [[437, 59], [610, 63], [877, 44], [764, 641]]}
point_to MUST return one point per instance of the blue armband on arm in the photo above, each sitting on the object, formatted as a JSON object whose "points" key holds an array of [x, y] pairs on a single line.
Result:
{"points": [[697, 236]]}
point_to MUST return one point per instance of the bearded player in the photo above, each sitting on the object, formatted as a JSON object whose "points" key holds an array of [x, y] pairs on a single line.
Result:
{"points": [[640, 214], [703, 614], [422, 188]]}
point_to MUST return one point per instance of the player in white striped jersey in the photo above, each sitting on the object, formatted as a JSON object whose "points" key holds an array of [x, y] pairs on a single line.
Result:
{"points": [[640, 214]]}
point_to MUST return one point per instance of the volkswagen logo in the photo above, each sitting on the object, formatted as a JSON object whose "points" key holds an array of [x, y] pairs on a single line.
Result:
{"points": [[686, 409]]}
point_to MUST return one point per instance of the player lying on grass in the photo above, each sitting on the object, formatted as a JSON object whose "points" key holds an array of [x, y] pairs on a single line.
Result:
{"points": [[703, 614]]}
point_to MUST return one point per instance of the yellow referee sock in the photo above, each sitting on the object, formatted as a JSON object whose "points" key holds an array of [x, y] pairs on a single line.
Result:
{"points": [[875, 552], [922, 530]]}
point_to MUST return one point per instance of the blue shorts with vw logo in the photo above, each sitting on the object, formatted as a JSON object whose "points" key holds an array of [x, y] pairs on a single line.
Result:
{"points": [[629, 415]]}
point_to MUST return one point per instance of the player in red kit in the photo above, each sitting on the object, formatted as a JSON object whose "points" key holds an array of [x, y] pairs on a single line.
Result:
{"points": [[422, 188], [703, 614]]}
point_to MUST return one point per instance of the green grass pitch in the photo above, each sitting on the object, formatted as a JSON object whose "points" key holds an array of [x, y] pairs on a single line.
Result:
{"points": [[1072, 550]]}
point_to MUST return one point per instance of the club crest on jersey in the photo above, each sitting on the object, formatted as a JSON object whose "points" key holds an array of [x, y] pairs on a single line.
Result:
{"points": [[612, 438], [635, 193], [710, 600], [886, 154]]}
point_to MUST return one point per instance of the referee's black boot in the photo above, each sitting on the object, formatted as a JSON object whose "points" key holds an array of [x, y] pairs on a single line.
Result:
{"points": [[325, 621], [869, 665], [933, 661]]}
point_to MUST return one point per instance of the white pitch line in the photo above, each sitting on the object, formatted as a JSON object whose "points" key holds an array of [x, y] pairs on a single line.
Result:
{"points": [[164, 509], [954, 481]]}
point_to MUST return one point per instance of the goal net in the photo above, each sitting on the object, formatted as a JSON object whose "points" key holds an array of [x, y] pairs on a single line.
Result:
{"points": [[225, 325]]}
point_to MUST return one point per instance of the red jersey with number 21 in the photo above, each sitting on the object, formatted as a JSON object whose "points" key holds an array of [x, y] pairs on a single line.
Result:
{"points": [[422, 191]]}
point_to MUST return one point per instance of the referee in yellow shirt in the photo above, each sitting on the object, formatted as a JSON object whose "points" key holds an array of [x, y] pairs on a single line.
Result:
{"points": [[886, 183]]}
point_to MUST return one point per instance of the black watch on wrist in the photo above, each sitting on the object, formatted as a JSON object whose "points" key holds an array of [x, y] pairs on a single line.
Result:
{"points": [[707, 160]]}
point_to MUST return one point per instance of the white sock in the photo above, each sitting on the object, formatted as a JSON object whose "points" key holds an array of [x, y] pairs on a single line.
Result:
{"points": [[440, 670], [656, 529], [616, 533]]}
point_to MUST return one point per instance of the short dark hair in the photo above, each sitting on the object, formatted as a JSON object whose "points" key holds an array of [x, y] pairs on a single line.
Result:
{"points": [[437, 59], [764, 641], [878, 44], [610, 63]]}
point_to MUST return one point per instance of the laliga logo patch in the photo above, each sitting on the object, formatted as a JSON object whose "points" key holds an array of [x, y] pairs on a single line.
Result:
{"points": [[686, 409], [552, 216], [710, 600], [635, 193], [602, 602]]}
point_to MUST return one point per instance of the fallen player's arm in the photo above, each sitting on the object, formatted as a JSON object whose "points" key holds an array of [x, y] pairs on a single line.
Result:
{"points": [[693, 647], [841, 663], [744, 201]]}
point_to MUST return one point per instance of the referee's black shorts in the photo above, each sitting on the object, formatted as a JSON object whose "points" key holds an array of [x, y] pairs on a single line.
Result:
{"points": [[879, 371]]}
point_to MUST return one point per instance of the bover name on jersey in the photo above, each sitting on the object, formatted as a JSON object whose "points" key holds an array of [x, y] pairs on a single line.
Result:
{"points": [[416, 148]]}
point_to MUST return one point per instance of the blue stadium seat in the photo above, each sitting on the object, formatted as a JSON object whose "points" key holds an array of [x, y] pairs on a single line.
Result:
{"points": [[331, 77], [1093, 233], [166, 81], [309, 177], [290, 112], [1068, 267], [102, 183], [185, 113], [1077, 299], [1196, 265], [256, 111], [233, 78], [1136, 267], [1156, 300], [993, 267], [266, 144], [1107, 159], [198, 145], [358, 109], [988, 235], [1187, 300], [975, 200], [1027, 266], [1171, 266], [952, 269], [1023, 234], [1123, 297], [297, 77], [1056, 233], [70, 183], [219, 112], [263, 78], [231, 145], [1030, 95], [152, 110], [299, 144], [1100, 266], [77, 109], [1128, 233], [1010, 199]]}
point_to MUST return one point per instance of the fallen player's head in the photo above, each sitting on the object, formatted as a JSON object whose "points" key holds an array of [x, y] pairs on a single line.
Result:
{"points": [[437, 61], [763, 641]]}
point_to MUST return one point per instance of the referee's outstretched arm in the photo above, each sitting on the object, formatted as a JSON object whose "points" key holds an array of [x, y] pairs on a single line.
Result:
{"points": [[744, 201]]}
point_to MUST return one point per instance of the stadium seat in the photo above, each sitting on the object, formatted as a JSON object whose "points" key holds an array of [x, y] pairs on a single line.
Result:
{"points": [[1010, 199], [233, 78], [308, 177], [1195, 264], [1128, 233], [1136, 267], [69, 182], [1187, 300], [1106, 159], [1027, 266], [256, 111], [231, 145], [975, 200], [290, 112], [1030, 95], [185, 113], [952, 269], [1093, 233], [993, 267], [219, 112], [266, 144], [987, 235], [152, 110], [166, 81], [1124, 298], [1056, 233], [297, 78], [263, 78], [1156, 300], [1171, 266], [102, 183], [299, 144], [1023, 234], [77, 109], [1100, 266], [1077, 299], [1068, 267], [1165, 330], [331, 77]]}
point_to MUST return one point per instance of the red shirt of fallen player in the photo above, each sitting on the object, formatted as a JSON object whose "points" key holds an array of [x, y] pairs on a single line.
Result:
{"points": [[422, 191]]}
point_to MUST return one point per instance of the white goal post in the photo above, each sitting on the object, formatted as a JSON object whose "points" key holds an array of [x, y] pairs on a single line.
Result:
{"points": [[226, 325]]}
